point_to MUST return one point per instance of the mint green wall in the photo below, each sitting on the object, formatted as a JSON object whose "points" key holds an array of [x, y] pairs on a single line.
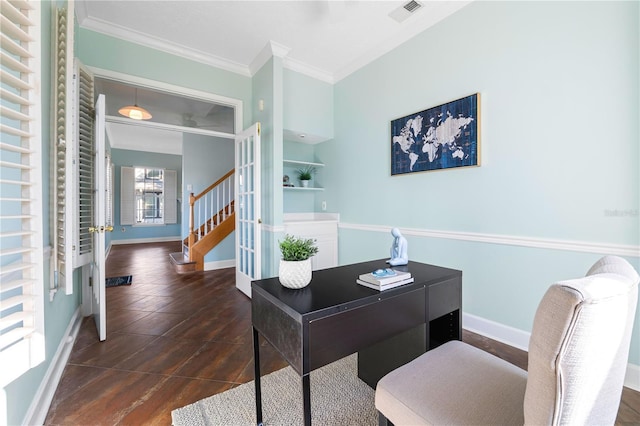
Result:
{"points": [[560, 94], [308, 104], [267, 86], [131, 158], [110, 53], [559, 147], [206, 159]]}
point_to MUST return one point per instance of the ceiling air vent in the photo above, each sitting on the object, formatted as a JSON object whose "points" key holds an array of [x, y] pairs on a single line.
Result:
{"points": [[412, 5], [404, 11]]}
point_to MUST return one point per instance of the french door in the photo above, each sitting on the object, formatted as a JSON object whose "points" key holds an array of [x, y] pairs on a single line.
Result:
{"points": [[98, 277], [247, 210]]}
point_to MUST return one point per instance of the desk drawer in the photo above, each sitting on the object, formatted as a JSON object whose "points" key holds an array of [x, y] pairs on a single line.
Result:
{"points": [[344, 333]]}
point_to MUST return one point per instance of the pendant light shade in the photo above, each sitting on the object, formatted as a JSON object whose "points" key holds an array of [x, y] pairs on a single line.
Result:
{"points": [[135, 112]]}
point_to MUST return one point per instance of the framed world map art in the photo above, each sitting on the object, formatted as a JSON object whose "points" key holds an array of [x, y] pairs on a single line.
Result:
{"points": [[441, 137]]}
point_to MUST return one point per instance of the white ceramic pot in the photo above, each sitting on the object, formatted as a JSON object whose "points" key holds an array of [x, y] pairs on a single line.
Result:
{"points": [[305, 183], [295, 274]]}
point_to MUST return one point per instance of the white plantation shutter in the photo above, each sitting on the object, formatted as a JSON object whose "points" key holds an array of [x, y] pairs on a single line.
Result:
{"points": [[127, 195], [21, 253], [84, 167], [170, 196], [62, 167]]}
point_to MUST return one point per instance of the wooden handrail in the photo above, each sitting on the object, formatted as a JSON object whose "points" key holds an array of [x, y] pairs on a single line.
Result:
{"points": [[193, 236], [194, 198]]}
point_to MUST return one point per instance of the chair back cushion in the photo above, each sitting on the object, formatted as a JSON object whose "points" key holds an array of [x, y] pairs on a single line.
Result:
{"points": [[579, 347]]}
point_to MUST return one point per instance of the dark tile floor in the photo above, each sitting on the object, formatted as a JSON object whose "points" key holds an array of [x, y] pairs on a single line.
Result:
{"points": [[171, 340], [174, 339]]}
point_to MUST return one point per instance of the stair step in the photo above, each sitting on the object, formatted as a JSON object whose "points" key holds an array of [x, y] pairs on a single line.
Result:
{"points": [[182, 263]]}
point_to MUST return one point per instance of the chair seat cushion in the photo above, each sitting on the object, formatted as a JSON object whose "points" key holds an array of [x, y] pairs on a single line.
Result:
{"points": [[453, 384]]}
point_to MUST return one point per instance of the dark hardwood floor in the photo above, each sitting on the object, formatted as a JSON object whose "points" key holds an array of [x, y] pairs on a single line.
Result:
{"points": [[175, 339]]}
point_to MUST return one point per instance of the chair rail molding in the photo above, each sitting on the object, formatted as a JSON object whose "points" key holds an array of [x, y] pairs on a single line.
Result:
{"points": [[513, 240]]}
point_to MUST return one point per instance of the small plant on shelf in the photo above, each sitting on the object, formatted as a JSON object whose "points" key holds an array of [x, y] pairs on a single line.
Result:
{"points": [[296, 248], [306, 173]]}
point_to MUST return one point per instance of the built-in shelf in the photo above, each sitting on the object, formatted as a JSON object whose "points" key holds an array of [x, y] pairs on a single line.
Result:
{"points": [[297, 163], [302, 163], [302, 188]]}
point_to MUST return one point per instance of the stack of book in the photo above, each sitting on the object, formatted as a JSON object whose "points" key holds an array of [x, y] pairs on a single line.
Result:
{"points": [[384, 279]]}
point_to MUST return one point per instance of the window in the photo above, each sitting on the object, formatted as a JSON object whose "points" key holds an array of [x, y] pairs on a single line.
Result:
{"points": [[148, 196], [21, 257]]}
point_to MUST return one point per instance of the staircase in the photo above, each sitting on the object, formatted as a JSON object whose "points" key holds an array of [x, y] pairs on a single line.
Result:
{"points": [[211, 220]]}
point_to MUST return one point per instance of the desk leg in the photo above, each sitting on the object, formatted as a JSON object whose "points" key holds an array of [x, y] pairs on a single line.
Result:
{"points": [[256, 369], [306, 399]]}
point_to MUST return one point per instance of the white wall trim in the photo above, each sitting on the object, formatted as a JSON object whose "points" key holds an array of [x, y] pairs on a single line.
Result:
{"points": [[520, 339], [272, 228], [219, 264], [166, 46], [146, 240], [512, 240], [37, 412]]}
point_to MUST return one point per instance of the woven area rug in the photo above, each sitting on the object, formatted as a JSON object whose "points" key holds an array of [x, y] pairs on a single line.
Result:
{"points": [[116, 281], [338, 397]]}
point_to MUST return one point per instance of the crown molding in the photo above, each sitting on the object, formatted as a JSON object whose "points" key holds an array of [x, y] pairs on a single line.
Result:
{"points": [[271, 49], [176, 49], [311, 71]]}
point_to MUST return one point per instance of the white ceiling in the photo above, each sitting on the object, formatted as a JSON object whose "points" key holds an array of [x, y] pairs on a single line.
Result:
{"points": [[326, 39]]}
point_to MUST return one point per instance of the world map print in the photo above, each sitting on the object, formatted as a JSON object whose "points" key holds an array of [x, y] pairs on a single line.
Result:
{"points": [[441, 137]]}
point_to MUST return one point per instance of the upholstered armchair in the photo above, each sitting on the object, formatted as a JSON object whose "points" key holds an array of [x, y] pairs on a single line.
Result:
{"points": [[578, 354]]}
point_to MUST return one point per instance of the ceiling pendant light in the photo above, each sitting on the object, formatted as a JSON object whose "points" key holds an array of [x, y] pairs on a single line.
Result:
{"points": [[135, 112]]}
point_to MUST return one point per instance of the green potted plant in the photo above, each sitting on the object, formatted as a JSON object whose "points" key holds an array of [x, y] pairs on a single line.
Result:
{"points": [[305, 174], [295, 264]]}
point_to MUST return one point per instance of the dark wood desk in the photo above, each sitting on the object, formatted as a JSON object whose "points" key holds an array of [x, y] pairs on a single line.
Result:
{"points": [[334, 317]]}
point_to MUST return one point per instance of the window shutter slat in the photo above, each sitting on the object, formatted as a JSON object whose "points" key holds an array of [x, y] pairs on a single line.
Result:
{"points": [[12, 30], [11, 46], [14, 15], [13, 97], [12, 63], [13, 114], [14, 131], [13, 81]]}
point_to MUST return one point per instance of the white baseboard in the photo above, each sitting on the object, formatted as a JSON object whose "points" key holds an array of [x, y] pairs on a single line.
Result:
{"points": [[496, 331], [39, 407], [520, 339], [146, 240], [220, 264], [632, 377]]}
